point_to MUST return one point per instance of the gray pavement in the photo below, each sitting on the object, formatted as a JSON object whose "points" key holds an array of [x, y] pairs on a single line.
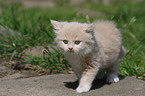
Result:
{"points": [[64, 85]]}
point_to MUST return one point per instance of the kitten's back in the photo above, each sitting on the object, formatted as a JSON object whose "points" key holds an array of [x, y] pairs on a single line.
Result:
{"points": [[108, 37]]}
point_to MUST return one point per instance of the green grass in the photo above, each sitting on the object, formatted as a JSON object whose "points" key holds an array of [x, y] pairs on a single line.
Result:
{"points": [[34, 26]]}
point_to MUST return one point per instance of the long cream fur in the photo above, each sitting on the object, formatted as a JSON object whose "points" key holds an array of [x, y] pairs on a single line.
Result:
{"points": [[98, 52]]}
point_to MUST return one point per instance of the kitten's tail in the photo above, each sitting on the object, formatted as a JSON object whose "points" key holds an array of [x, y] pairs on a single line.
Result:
{"points": [[122, 52]]}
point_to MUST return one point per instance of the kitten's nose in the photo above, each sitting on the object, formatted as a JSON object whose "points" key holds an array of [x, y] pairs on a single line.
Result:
{"points": [[70, 49]]}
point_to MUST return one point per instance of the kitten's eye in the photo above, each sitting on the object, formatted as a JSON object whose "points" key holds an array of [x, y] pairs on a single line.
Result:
{"points": [[65, 41], [77, 42]]}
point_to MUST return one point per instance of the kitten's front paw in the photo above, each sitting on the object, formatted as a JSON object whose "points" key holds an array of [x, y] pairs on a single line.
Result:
{"points": [[82, 89], [112, 78]]}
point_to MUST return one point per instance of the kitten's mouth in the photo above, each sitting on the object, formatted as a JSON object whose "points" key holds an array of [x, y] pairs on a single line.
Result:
{"points": [[71, 51]]}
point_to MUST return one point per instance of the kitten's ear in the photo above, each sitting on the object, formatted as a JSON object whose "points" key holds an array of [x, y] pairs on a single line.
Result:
{"points": [[56, 24], [89, 28]]}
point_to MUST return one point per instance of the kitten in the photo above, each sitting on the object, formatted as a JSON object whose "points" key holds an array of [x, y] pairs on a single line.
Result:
{"points": [[91, 49]]}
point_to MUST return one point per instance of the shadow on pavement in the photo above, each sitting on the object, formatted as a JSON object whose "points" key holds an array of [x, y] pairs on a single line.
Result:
{"points": [[96, 83]]}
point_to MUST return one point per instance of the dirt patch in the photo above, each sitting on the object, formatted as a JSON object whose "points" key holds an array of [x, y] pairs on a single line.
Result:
{"points": [[38, 3], [25, 70], [33, 3], [4, 71], [35, 51], [73, 2], [90, 12]]}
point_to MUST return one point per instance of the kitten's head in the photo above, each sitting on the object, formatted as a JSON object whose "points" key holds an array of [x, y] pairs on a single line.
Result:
{"points": [[74, 37]]}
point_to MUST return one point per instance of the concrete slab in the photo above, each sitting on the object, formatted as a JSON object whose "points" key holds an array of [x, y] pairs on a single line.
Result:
{"points": [[64, 85]]}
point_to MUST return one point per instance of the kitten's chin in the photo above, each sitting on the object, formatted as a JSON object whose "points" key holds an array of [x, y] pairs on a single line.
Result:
{"points": [[68, 51], [71, 51]]}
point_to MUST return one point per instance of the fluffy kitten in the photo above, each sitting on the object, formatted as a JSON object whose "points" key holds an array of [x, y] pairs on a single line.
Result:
{"points": [[91, 49]]}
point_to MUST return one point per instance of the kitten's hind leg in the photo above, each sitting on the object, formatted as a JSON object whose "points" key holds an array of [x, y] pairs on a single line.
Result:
{"points": [[112, 72], [86, 80]]}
